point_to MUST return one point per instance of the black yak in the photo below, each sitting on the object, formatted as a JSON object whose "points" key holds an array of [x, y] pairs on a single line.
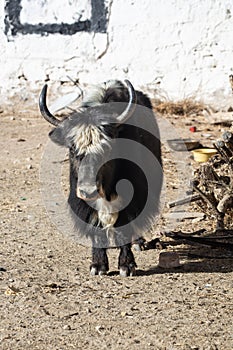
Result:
{"points": [[112, 138]]}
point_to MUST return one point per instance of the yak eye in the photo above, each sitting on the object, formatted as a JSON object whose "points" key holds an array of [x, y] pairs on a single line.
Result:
{"points": [[108, 130], [80, 157], [73, 153], [72, 150]]}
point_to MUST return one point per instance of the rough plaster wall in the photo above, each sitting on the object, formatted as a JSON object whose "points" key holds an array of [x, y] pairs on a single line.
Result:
{"points": [[177, 47]]}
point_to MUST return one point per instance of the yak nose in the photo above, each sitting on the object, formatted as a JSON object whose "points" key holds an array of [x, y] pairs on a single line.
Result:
{"points": [[87, 195]]}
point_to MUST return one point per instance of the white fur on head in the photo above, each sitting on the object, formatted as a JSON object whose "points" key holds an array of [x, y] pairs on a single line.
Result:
{"points": [[88, 139]]}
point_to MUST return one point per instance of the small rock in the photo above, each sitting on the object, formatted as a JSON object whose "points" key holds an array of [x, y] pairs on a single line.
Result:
{"points": [[123, 313], [206, 135], [21, 140], [53, 285], [99, 329], [136, 247], [169, 260], [67, 327]]}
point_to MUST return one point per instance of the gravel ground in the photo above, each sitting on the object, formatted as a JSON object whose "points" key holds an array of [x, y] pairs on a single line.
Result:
{"points": [[48, 299]]}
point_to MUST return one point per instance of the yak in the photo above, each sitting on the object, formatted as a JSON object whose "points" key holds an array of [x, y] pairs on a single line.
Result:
{"points": [[113, 137]]}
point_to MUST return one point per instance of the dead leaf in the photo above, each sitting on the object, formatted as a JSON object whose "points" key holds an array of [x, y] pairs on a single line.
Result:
{"points": [[12, 290]]}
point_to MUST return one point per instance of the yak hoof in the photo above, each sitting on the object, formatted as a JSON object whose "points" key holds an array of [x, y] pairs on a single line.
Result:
{"points": [[97, 271], [126, 271], [137, 247]]}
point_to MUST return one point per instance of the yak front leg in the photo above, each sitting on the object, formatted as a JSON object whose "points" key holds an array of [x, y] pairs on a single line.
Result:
{"points": [[126, 262], [99, 264]]}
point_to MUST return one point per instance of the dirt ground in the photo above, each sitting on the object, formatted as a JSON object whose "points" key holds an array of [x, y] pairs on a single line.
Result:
{"points": [[48, 300]]}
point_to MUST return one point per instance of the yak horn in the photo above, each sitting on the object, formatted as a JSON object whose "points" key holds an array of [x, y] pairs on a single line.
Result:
{"points": [[126, 114], [44, 109]]}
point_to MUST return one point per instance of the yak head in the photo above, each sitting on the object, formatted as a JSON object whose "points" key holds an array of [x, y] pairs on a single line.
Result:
{"points": [[89, 133]]}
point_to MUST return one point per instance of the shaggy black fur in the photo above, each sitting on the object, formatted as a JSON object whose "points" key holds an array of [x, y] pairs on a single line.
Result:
{"points": [[141, 128]]}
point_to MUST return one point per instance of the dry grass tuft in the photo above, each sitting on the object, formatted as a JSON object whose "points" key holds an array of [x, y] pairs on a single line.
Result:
{"points": [[185, 107]]}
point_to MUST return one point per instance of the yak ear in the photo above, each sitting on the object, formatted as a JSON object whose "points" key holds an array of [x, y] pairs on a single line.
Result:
{"points": [[58, 136]]}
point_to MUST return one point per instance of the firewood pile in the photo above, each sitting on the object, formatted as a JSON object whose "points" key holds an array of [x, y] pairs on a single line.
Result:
{"points": [[213, 183], [213, 193]]}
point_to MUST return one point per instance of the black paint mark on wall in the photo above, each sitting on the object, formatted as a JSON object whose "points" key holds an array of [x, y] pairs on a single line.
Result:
{"points": [[13, 26]]}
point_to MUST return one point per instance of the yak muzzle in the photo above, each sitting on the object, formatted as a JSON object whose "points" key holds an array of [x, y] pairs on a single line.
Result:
{"points": [[87, 195]]}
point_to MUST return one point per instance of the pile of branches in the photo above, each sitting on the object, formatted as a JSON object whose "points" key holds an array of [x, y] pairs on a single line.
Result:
{"points": [[213, 182], [213, 193]]}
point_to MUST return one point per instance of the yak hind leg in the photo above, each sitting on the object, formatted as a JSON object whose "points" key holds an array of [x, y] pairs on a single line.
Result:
{"points": [[126, 262], [99, 265]]}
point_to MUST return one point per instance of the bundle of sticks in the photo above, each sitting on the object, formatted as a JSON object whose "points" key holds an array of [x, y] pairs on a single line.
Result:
{"points": [[213, 183]]}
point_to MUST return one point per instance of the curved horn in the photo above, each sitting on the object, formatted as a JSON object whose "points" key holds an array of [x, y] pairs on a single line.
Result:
{"points": [[44, 109], [131, 104]]}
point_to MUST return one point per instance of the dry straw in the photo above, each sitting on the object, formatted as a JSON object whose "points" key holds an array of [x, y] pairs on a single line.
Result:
{"points": [[185, 107]]}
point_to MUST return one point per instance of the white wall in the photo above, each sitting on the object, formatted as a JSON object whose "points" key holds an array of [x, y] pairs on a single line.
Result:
{"points": [[180, 47]]}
